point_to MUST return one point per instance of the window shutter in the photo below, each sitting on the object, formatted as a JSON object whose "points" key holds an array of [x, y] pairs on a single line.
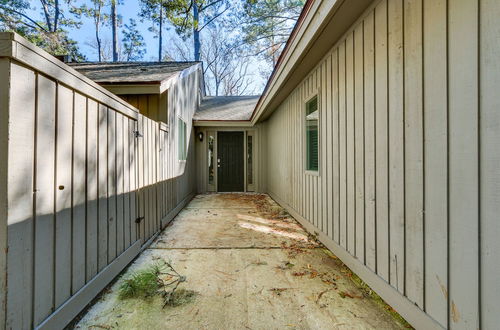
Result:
{"points": [[312, 134]]}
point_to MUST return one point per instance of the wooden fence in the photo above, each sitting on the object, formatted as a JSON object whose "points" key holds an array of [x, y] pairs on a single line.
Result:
{"points": [[85, 183]]}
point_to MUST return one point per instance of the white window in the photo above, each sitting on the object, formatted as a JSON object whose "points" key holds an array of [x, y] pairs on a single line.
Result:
{"points": [[312, 135], [182, 149]]}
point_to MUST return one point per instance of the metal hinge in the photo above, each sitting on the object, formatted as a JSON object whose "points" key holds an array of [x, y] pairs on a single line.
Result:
{"points": [[139, 219], [137, 134]]}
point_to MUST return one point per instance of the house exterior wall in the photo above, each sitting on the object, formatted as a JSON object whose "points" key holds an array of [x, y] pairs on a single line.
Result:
{"points": [[153, 106], [79, 166], [259, 163], [407, 193]]}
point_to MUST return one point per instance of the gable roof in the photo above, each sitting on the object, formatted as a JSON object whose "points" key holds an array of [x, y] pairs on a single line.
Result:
{"points": [[133, 73], [226, 108]]}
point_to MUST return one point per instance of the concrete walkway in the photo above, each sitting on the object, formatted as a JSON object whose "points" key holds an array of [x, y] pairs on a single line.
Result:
{"points": [[252, 267]]}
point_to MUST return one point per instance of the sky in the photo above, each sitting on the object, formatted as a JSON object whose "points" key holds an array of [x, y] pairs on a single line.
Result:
{"points": [[130, 9]]}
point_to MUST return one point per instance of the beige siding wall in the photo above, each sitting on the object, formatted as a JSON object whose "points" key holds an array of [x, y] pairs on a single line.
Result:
{"points": [[4, 134], [153, 106], [74, 179], [408, 188]]}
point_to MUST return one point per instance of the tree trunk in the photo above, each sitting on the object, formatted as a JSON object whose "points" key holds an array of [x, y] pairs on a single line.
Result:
{"points": [[160, 34], [114, 30], [56, 15], [196, 31], [98, 44], [47, 16]]}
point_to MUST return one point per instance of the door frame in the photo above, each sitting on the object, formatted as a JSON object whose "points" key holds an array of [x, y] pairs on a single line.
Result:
{"points": [[217, 154], [215, 132]]}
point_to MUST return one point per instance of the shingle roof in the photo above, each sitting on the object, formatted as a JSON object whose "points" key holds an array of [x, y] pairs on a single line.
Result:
{"points": [[130, 72], [226, 108]]}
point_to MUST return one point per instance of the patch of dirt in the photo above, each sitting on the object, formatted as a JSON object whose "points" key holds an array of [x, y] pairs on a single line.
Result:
{"points": [[182, 297]]}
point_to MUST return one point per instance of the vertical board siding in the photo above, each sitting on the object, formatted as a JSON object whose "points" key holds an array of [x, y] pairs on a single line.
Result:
{"points": [[120, 220], [78, 217], [435, 159], [20, 214], [111, 176], [396, 145], [382, 141], [350, 158], [127, 221], [463, 164], [414, 162], [64, 145], [335, 146], [72, 191], [92, 238], [132, 165], [359, 148], [411, 108], [369, 143], [489, 160], [5, 71], [102, 188], [44, 199], [343, 145]]}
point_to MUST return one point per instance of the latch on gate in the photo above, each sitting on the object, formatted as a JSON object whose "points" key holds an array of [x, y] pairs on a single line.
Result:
{"points": [[139, 219], [137, 134]]}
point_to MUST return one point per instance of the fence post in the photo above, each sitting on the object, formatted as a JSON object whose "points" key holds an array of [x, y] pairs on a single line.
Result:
{"points": [[4, 131]]}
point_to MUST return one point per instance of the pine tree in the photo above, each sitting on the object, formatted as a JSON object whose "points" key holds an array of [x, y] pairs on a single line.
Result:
{"points": [[48, 32], [191, 17], [133, 42], [266, 26]]}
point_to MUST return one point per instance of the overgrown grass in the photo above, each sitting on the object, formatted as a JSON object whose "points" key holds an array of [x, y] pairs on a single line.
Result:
{"points": [[158, 279], [142, 284]]}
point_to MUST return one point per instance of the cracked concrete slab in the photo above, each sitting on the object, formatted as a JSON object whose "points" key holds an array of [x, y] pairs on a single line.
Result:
{"points": [[253, 267]]}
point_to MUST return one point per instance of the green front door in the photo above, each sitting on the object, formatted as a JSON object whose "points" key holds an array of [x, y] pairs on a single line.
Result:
{"points": [[230, 162]]}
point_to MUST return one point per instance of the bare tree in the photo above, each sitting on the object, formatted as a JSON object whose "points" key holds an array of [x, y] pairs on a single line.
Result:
{"points": [[239, 82], [99, 18], [106, 49], [226, 69]]}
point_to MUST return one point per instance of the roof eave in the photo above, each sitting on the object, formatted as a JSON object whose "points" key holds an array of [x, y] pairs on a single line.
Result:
{"points": [[148, 87], [322, 24], [222, 123]]}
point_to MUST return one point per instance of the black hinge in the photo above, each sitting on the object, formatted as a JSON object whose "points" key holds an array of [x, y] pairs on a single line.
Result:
{"points": [[139, 219], [137, 134]]}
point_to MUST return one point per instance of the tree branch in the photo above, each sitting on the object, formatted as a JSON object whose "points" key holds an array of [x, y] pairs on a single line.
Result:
{"points": [[210, 4], [213, 19], [27, 17]]}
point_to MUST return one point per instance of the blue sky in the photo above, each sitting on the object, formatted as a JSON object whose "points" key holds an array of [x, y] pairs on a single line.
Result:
{"points": [[130, 9]]}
